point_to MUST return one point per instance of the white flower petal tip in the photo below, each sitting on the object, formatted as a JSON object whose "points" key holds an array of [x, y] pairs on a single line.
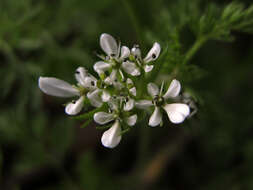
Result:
{"points": [[111, 138], [129, 105], [103, 117], [56, 87], [94, 98], [177, 112], [108, 44], [80, 75], [100, 67], [143, 104], [136, 51], [156, 118], [133, 91], [148, 68], [154, 53], [153, 89], [105, 96], [125, 52], [89, 82], [131, 68], [173, 90], [74, 108], [131, 121]]}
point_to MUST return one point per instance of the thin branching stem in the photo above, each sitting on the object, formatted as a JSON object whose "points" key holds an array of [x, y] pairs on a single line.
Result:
{"points": [[193, 50]]}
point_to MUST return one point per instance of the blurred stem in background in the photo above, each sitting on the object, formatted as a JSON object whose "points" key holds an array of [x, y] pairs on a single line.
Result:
{"points": [[199, 42], [135, 22]]}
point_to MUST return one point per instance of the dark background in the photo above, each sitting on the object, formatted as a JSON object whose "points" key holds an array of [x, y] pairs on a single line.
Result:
{"points": [[43, 148]]}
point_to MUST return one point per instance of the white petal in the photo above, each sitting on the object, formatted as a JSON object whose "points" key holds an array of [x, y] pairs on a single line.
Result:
{"points": [[103, 117], [80, 74], [133, 91], [74, 108], [173, 90], [105, 96], [143, 104], [154, 53], [148, 68], [156, 117], [177, 112], [113, 75], [129, 105], [136, 51], [95, 98], [131, 68], [129, 81], [108, 44], [153, 89], [125, 52], [101, 67], [90, 82], [56, 87], [131, 120], [110, 79], [112, 136], [113, 104], [118, 85]]}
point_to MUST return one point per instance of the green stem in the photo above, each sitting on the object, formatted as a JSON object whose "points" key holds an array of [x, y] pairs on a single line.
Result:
{"points": [[193, 50]]}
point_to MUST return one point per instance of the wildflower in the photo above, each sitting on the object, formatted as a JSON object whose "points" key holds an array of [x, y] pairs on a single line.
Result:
{"points": [[134, 69], [112, 137], [86, 85], [56, 87], [115, 54], [97, 93], [117, 92], [176, 112]]}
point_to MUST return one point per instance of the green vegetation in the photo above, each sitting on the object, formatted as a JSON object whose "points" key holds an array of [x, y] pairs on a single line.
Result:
{"points": [[43, 148]]}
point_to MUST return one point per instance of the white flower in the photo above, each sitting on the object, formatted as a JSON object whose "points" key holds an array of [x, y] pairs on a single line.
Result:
{"points": [[97, 94], [113, 80], [116, 57], [152, 55], [176, 112], [133, 68], [112, 49], [111, 137], [56, 87], [86, 84], [85, 79], [115, 53], [89, 82]]}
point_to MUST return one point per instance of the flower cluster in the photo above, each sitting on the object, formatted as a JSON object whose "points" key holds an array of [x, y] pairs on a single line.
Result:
{"points": [[115, 91]]}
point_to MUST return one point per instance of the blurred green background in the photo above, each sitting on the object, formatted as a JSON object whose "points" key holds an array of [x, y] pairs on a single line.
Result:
{"points": [[43, 148]]}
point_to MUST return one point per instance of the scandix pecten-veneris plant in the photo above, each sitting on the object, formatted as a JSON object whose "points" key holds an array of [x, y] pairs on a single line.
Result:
{"points": [[114, 94], [117, 91]]}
